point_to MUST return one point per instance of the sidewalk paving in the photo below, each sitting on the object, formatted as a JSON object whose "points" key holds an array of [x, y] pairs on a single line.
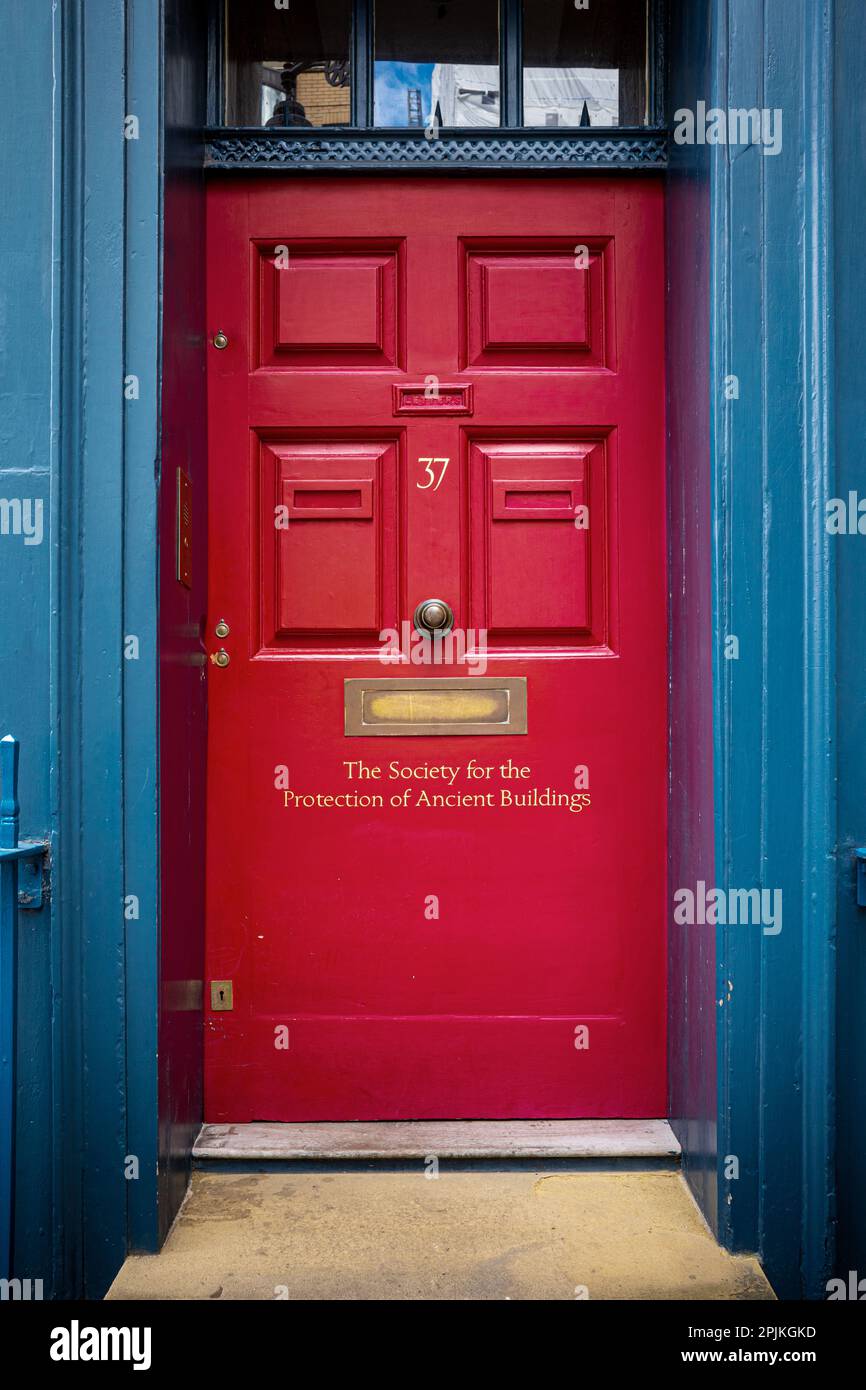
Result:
{"points": [[464, 1235]]}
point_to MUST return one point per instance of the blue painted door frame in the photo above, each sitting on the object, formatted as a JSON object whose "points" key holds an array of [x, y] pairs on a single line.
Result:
{"points": [[773, 589], [751, 257], [80, 261], [849, 213], [754, 470]]}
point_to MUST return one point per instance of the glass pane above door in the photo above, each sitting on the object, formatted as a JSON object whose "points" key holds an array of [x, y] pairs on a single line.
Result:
{"points": [[584, 66], [436, 60], [288, 66]]}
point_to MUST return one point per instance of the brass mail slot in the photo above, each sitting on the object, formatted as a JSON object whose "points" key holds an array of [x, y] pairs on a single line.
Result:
{"points": [[453, 705]]}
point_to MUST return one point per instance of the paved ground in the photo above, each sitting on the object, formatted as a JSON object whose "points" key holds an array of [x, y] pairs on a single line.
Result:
{"points": [[463, 1235]]}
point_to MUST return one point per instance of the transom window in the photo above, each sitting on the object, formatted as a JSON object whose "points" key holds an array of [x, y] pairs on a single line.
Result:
{"points": [[434, 65]]}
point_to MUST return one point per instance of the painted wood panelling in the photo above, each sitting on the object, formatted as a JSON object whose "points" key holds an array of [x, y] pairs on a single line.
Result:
{"points": [[28, 470], [774, 790], [756, 228], [141, 446], [850, 426], [80, 244], [182, 610], [692, 961]]}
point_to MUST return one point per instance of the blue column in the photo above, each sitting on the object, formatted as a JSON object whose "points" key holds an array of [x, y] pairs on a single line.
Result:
{"points": [[80, 265]]}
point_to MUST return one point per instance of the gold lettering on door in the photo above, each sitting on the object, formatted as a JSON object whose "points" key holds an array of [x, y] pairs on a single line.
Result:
{"points": [[432, 480]]}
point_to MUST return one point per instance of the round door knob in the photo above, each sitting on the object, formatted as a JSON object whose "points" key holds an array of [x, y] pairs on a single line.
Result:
{"points": [[434, 617]]}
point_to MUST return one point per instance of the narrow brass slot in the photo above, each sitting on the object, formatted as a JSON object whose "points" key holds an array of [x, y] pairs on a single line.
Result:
{"points": [[418, 707]]}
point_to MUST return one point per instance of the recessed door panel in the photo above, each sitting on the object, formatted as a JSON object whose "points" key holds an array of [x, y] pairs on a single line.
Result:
{"points": [[327, 304], [532, 542], [537, 303], [328, 539]]}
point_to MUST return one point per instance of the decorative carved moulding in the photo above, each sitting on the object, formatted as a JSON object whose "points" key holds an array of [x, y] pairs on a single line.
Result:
{"points": [[367, 150]]}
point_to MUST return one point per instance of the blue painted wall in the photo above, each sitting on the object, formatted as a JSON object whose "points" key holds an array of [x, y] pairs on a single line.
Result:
{"points": [[849, 212], [29, 298], [79, 255]]}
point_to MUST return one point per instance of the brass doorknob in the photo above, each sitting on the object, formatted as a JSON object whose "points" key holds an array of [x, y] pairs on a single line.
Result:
{"points": [[434, 617]]}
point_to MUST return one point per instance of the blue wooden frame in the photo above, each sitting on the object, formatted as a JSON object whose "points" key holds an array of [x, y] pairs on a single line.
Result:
{"points": [[849, 212], [692, 1008], [768, 288], [775, 810], [86, 245], [107, 714]]}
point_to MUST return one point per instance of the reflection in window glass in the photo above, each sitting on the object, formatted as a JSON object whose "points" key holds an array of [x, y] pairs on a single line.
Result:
{"points": [[288, 66], [436, 60], [584, 66]]}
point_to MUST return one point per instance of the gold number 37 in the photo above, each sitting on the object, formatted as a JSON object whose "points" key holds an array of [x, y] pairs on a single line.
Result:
{"points": [[432, 480]]}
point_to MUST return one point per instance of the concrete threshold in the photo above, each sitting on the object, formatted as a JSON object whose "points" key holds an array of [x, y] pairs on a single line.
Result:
{"points": [[599, 1140]]}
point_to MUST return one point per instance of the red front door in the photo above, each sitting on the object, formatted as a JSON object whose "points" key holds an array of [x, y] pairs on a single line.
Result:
{"points": [[436, 899]]}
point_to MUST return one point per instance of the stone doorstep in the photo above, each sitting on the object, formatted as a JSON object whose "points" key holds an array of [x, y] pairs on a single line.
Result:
{"points": [[456, 1139]]}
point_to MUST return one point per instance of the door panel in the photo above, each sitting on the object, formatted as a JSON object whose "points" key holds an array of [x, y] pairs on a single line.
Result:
{"points": [[530, 484], [339, 505], [452, 390]]}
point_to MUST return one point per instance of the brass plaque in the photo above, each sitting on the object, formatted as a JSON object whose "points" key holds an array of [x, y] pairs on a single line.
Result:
{"points": [[418, 707]]}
